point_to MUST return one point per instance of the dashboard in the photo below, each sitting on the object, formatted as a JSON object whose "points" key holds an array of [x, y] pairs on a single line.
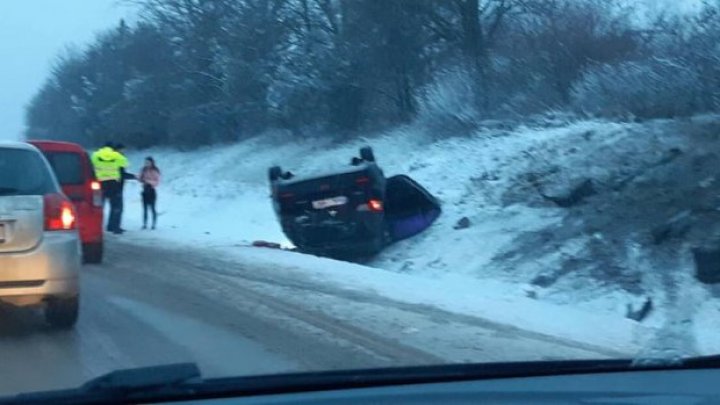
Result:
{"points": [[633, 387]]}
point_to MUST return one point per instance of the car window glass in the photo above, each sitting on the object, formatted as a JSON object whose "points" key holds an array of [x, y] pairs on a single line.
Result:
{"points": [[67, 166], [23, 172]]}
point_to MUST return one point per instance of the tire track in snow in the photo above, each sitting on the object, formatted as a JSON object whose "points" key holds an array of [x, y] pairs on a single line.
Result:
{"points": [[206, 274], [217, 265]]}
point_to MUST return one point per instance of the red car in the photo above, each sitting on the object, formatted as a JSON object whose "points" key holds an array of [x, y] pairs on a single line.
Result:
{"points": [[76, 175]]}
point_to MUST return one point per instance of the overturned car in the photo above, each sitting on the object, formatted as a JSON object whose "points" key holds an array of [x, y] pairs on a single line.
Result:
{"points": [[351, 212]]}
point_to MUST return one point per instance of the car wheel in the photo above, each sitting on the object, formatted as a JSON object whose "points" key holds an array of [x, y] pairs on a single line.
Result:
{"points": [[367, 154], [62, 313], [92, 252], [274, 173]]}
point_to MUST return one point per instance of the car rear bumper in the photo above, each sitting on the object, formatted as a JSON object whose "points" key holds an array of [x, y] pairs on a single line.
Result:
{"points": [[50, 270], [358, 242], [362, 229]]}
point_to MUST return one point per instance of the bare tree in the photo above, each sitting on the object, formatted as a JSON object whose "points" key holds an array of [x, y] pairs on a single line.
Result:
{"points": [[570, 35]]}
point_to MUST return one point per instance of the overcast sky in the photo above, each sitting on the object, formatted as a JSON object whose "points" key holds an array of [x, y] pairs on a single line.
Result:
{"points": [[32, 34]]}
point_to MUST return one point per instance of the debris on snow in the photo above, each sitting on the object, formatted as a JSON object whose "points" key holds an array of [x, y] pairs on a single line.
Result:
{"points": [[641, 313], [462, 223], [266, 244], [576, 194], [530, 292]]}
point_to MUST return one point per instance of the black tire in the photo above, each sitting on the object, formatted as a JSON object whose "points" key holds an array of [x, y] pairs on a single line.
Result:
{"points": [[92, 253], [367, 154], [274, 173], [62, 313]]}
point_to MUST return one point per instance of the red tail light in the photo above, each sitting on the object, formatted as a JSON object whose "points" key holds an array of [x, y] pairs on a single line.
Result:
{"points": [[59, 213], [97, 196], [375, 205], [362, 180]]}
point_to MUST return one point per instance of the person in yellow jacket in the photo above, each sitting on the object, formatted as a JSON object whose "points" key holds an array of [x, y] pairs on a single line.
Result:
{"points": [[109, 167]]}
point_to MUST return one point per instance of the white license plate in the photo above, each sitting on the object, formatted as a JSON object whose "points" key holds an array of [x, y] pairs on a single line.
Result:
{"points": [[329, 202]]}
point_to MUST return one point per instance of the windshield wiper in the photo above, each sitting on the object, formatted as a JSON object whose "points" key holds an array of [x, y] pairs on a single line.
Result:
{"points": [[144, 378], [122, 386], [184, 382]]}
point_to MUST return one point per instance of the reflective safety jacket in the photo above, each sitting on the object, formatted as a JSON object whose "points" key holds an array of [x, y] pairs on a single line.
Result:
{"points": [[107, 163]]}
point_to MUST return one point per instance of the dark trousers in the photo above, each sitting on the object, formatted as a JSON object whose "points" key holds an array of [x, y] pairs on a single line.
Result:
{"points": [[111, 193], [120, 207], [149, 198]]}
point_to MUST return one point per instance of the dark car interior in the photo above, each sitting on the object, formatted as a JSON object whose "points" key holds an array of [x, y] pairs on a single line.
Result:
{"points": [[409, 207]]}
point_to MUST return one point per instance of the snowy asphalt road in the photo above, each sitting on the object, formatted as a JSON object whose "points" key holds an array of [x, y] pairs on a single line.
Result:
{"points": [[147, 306]]}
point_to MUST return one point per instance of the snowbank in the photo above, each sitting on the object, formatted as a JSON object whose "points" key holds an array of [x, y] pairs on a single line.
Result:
{"points": [[219, 198], [221, 193], [492, 300]]}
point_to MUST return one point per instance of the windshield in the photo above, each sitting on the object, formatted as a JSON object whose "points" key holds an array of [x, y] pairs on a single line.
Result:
{"points": [[68, 167], [23, 172], [314, 185]]}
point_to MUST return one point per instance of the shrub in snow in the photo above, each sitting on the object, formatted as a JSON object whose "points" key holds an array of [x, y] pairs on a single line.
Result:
{"points": [[655, 88], [519, 91], [449, 104]]}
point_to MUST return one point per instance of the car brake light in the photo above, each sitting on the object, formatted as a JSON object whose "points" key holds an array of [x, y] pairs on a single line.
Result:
{"points": [[362, 180], [59, 213], [96, 189], [375, 205]]}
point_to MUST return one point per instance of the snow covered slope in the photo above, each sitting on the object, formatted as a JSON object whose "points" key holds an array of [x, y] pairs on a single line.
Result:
{"points": [[521, 247]]}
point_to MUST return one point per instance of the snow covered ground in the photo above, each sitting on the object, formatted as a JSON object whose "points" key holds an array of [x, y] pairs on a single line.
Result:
{"points": [[518, 261]]}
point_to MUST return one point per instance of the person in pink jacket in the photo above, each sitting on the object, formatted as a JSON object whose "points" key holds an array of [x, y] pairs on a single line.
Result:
{"points": [[150, 179]]}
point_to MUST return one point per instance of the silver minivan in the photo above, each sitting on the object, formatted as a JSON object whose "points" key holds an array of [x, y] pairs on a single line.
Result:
{"points": [[40, 255]]}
